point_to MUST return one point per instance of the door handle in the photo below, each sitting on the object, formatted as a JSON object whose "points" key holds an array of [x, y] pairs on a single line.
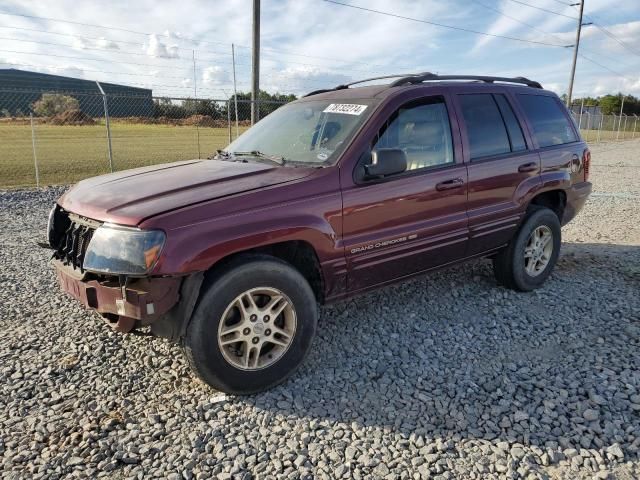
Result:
{"points": [[528, 167], [449, 184]]}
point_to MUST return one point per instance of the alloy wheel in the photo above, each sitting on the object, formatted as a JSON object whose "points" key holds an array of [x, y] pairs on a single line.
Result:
{"points": [[257, 328]]}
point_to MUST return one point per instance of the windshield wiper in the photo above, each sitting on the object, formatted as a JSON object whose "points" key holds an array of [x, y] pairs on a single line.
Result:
{"points": [[259, 154]]}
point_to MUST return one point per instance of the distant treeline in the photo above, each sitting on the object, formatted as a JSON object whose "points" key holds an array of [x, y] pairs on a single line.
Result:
{"points": [[610, 104], [166, 107]]}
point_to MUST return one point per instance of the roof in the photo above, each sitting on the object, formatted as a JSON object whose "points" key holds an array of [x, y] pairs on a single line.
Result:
{"points": [[27, 80]]}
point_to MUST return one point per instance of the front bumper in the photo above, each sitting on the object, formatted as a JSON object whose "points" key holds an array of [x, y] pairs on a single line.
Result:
{"points": [[141, 302]]}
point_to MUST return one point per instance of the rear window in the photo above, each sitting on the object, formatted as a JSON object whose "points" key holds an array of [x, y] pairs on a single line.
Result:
{"points": [[486, 131], [550, 124]]}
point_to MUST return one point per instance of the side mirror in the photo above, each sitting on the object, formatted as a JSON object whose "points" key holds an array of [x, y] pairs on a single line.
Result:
{"points": [[386, 161]]}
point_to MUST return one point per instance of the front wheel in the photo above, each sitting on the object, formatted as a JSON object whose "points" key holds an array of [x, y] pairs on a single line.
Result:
{"points": [[252, 327], [532, 253]]}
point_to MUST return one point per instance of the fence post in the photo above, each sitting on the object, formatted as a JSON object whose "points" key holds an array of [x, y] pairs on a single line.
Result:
{"points": [[229, 118], [235, 91], [33, 145], [624, 129], [635, 124], [600, 127], [581, 110], [588, 124], [106, 121]]}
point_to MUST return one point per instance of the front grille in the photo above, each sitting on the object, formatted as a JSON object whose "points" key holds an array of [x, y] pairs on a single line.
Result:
{"points": [[71, 238]]}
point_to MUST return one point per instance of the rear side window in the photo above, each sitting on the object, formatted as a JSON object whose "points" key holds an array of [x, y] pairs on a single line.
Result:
{"points": [[513, 127], [486, 131], [550, 124]]}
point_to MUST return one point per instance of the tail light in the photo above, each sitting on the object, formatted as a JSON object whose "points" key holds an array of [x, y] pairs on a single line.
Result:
{"points": [[586, 163]]}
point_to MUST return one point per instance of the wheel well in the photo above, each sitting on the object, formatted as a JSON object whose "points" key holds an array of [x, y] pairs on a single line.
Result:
{"points": [[555, 200], [298, 253]]}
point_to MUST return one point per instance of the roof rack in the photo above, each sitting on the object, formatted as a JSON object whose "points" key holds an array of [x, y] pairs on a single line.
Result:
{"points": [[427, 76], [415, 78], [347, 85]]}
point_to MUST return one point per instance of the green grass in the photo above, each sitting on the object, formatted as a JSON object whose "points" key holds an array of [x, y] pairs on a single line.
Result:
{"points": [[67, 154], [591, 136]]}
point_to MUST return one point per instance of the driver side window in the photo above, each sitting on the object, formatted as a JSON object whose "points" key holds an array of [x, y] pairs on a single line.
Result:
{"points": [[422, 130]]}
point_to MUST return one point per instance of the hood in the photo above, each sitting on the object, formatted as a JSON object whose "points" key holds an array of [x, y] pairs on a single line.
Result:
{"points": [[131, 196]]}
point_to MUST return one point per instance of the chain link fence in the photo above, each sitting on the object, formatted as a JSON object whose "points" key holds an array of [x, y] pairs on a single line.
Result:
{"points": [[597, 127], [49, 138], [59, 138]]}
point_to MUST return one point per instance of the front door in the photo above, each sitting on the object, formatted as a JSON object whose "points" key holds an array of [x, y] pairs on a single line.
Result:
{"points": [[415, 220]]}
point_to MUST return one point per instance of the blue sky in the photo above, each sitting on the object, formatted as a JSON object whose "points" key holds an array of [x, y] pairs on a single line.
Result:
{"points": [[310, 44]]}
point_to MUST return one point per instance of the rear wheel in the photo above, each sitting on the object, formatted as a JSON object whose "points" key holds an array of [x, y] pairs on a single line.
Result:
{"points": [[252, 327], [531, 255]]}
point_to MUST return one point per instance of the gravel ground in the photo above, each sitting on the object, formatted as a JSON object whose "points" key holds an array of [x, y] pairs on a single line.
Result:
{"points": [[447, 376]]}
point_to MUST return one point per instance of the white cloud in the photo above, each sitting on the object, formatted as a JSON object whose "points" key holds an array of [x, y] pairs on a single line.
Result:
{"points": [[159, 48], [302, 79], [215, 76], [310, 44], [82, 43]]}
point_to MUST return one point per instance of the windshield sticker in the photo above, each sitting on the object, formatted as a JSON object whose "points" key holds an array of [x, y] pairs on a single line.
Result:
{"points": [[346, 108]]}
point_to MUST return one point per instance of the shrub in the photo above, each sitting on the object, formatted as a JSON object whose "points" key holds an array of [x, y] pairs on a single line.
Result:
{"points": [[51, 104]]}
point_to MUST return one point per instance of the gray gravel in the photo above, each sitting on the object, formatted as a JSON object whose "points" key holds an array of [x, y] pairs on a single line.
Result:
{"points": [[447, 376]]}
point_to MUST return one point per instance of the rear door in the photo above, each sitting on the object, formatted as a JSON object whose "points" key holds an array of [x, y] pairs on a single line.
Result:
{"points": [[501, 164], [412, 221], [556, 137]]}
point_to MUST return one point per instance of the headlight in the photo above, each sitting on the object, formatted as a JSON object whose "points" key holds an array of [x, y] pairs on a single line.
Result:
{"points": [[122, 250]]}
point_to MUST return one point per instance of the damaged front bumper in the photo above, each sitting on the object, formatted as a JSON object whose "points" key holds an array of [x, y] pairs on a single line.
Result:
{"points": [[136, 302]]}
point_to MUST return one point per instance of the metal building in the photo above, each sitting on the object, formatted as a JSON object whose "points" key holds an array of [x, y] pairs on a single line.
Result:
{"points": [[19, 89]]}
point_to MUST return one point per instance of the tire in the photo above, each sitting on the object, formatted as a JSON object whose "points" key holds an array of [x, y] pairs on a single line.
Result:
{"points": [[510, 267], [235, 368]]}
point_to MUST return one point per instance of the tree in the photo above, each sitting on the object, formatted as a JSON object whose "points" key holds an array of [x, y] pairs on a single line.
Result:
{"points": [[610, 104], [202, 107], [268, 103], [51, 104]]}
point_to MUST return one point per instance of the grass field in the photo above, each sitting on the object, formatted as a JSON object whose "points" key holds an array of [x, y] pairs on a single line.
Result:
{"points": [[67, 154]]}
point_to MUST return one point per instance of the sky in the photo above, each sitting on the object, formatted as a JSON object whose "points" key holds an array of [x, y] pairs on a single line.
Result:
{"points": [[312, 44]]}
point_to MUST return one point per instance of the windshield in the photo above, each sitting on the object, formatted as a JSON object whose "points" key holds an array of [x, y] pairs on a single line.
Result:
{"points": [[306, 132]]}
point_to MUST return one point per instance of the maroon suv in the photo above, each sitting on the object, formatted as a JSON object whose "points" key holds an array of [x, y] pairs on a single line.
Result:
{"points": [[342, 191]]}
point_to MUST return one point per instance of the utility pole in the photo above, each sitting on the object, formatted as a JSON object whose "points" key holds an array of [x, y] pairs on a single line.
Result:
{"points": [[575, 55], [255, 63]]}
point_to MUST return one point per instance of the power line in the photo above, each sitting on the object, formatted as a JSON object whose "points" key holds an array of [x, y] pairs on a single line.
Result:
{"points": [[123, 52], [603, 66], [92, 25], [85, 37], [544, 9], [612, 36], [109, 50], [54, 67], [563, 3], [500, 12], [90, 59], [428, 22], [100, 39], [533, 27]]}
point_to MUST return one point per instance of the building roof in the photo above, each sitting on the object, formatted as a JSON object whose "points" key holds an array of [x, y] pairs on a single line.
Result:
{"points": [[16, 79]]}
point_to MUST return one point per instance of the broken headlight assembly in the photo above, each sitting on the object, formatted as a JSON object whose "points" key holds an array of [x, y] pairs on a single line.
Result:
{"points": [[123, 250]]}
